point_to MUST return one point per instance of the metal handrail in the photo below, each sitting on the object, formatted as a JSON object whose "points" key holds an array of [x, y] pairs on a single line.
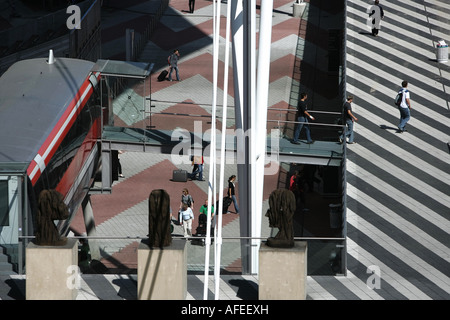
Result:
{"points": [[284, 121], [309, 123], [209, 117], [310, 111], [289, 109], [181, 237]]}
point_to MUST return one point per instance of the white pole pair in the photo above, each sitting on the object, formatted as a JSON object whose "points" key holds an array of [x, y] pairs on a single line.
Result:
{"points": [[260, 126], [211, 190]]}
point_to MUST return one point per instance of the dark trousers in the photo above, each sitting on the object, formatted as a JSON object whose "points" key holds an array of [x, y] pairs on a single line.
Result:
{"points": [[191, 6]]}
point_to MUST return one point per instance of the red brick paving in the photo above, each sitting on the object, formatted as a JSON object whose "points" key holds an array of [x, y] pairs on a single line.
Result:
{"points": [[235, 266], [168, 39], [136, 189], [123, 261], [181, 118], [183, 5]]}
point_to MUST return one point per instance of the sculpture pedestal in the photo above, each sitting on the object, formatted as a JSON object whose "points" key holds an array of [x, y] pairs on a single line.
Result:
{"points": [[52, 271], [162, 273], [282, 272]]}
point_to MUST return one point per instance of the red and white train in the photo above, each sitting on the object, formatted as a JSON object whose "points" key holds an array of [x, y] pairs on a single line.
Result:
{"points": [[50, 128]]}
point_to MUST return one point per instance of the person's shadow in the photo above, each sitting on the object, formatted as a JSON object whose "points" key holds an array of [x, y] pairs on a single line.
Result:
{"points": [[247, 290], [385, 127], [365, 33], [17, 291]]}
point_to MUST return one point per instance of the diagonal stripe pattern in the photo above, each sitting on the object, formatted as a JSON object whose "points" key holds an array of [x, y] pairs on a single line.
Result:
{"points": [[398, 184]]}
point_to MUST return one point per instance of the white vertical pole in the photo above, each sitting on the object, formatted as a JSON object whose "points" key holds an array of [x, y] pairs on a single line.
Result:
{"points": [[253, 148], [212, 162], [218, 237], [212, 189], [260, 115], [222, 145]]}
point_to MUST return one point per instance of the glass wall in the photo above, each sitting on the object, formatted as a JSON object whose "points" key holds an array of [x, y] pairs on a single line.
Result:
{"points": [[12, 202], [326, 256]]}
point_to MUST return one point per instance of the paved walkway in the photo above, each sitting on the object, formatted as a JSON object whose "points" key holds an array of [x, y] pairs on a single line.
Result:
{"points": [[398, 184]]}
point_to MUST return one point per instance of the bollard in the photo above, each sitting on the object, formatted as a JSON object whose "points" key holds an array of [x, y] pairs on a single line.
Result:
{"points": [[298, 8], [442, 51]]}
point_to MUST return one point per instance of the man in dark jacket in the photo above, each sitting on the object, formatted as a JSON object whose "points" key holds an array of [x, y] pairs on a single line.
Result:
{"points": [[302, 117], [349, 120]]}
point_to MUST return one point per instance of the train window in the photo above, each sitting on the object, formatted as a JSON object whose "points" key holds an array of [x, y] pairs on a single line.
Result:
{"points": [[4, 207], [72, 141]]}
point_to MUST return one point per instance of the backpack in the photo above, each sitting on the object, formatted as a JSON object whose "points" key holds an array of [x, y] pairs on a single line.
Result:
{"points": [[398, 98]]}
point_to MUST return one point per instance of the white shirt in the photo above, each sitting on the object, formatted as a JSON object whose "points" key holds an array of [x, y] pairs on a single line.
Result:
{"points": [[188, 214], [405, 96]]}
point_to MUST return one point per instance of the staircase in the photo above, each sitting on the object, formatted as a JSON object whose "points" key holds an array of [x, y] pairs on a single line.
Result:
{"points": [[6, 267]]}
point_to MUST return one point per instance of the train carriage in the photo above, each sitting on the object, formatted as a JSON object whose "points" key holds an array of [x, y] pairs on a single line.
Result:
{"points": [[50, 126]]}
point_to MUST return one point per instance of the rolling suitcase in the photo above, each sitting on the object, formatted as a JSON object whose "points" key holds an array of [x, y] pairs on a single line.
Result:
{"points": [[226, 203], [162, 76], [180, 175]]}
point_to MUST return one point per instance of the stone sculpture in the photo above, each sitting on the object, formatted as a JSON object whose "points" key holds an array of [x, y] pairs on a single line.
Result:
{"points": [[51, 207], [159, 232], [281, 212]]}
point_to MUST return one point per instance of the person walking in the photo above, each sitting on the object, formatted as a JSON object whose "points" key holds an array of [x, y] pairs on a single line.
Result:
{"points": [[198, 163], [173, 64], [376, 14], [204, 209], [293, 181], [231, 192], [404, 107], [191, 6], [119, 165], [187, 199], [302, 117], [349, 121], [186, 218]]}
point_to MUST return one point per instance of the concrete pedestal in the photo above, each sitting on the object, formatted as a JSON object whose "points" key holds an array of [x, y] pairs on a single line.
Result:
{"points": [[299, 8], [52, 271], [282, 272], [162, 273]]}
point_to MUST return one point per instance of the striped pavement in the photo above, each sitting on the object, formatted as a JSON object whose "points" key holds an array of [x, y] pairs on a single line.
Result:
{"points": [[398, 184], [398, 193]]}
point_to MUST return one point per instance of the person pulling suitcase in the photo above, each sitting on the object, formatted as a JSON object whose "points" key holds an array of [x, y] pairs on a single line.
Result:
{"points": [[173, 64]]}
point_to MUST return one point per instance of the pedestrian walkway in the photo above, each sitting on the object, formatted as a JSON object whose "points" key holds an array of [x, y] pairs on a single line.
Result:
{"points": [[397, 184]]}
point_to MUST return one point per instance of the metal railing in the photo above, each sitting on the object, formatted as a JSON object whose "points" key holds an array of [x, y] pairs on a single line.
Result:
{"points": [[321, 251]]}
